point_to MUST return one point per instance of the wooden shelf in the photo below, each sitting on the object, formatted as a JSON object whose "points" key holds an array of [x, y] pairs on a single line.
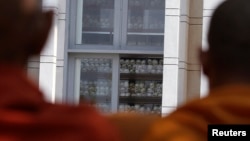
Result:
{"points": [[96, 98], [94, 75], [142, 76], [146, 31], [140, 99]]}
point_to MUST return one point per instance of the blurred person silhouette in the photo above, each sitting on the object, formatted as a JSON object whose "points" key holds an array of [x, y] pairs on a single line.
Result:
{"points": [[227, 65], [24, 114]]}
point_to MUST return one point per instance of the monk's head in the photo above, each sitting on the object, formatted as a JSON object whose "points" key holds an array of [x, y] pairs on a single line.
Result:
{"points": [[24, 28], [228, 58]]}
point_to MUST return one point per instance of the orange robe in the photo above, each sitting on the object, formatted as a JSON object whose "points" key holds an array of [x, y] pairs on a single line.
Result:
{"points": [[226, 105], [26, 116]]}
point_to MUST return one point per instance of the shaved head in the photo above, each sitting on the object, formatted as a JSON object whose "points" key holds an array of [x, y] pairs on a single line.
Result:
{"points": [[29, 6], [23, 6], [13, 13], [23, 29], [227, 59], [229, 36]]}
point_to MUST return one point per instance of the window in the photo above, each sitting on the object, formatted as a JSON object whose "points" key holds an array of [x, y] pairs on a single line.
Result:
{"points": [[117, 24]]}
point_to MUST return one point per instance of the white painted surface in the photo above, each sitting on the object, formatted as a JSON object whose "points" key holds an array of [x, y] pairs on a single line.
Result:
{"points": [[182, 87], [59, 85], [172, 4], [60, 52], [185, 7], [47, 74], [61, 39], [171, 40], [183, 46], [196, 7], [171, 56], [183, 42], [193, 89], [170, 86], [211, 4], [195, 43], [62, 6], [79, 23], [51, 3]]}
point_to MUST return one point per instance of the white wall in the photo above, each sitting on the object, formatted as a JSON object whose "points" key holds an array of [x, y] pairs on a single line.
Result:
{"points": [[183, 51], [183, 38], [50, 70], [171, 56], [60, 50], [47, 74], [194, 44]]}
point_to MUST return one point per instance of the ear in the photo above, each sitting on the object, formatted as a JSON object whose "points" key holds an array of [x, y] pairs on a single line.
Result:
{"points": [[205, 61], [41, 32]]}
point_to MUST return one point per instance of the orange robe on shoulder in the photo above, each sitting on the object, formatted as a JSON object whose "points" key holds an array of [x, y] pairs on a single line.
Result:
{"points": [[26, 116], [226, 105]]}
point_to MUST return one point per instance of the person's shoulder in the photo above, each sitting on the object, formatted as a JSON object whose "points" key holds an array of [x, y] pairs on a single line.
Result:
{"points": [[84, 119], [73, 111], [196, 108], [184, 123]]}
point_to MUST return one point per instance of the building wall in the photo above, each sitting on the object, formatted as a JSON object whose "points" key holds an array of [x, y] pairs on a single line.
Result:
{"points": [[42, 69], [185, 34], [171, 56], [62, 42], [181, 80], [194, 44], [186, 23], [48, 56]]}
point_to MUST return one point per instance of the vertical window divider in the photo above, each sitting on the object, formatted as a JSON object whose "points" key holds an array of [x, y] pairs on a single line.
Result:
{"points": [[124, 5]]}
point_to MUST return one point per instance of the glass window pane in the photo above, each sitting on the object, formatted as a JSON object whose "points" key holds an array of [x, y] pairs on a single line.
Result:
{"points": [[145, 23], [96, 82], [95, 22], [140, 88]]}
